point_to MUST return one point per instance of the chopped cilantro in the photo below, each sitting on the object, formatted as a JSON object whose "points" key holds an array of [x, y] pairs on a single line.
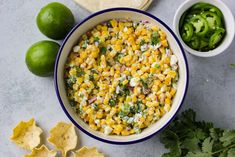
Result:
{"points": [[96, 39], [126, 108], [70, 81], [144, 83], [91, 77], [122, 114], [94, 71], [109, 24], [112, 102], [103, 50], [118, 56], [80, 71], [133, 109], [139, 106], [95, 107], [110, 49], [157, 66], [142, 42], [154, 38], [85, 44]]}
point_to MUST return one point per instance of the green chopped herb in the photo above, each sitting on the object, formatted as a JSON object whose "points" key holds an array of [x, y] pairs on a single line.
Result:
{"points": [[70, 81], [139, 106], [154, 38], [122, 114], [94, 71], [103, 50], [85, 44], [126, 108], [110, 49], [95, 107], [142, 42], [232, 65], [96, 39], [91, 77], [144, 83], [112, 102], [109, 24], [157, 66], [118, 56], [137, 130], [133, 109], [80, 71], [109, 63]]}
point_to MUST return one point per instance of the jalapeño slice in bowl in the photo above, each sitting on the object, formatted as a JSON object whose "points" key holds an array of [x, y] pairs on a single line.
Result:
{"points": [[202, 27]]}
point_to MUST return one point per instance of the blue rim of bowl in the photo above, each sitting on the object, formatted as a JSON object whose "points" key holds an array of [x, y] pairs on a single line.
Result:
{"points": [[62, 47]]}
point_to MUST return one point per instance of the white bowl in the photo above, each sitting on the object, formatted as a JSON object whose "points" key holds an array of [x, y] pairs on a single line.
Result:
{"points": [[88, 24], [228, 20]]}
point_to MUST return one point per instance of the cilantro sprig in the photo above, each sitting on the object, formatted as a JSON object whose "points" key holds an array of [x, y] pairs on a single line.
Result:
{"points": [[186, 137]]}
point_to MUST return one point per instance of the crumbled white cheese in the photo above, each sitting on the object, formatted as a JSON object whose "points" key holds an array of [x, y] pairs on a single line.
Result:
{"points": [[154, 64], [125, 29], [97, 43], [107, 130], [100, 98], [144, 47], [123, 51], [137, 117], [117, 89], [130, 120], [174, 60], [168, 52], [76, 48], [134, 82], [97, 121], [155, 47]]}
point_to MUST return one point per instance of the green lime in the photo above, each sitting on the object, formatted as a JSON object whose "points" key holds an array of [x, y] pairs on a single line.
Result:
{"points": [[55, 20], [40, 57]]}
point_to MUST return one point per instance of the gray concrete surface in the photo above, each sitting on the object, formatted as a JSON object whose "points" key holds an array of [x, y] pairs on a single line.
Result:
{"points": [[22, 95]]}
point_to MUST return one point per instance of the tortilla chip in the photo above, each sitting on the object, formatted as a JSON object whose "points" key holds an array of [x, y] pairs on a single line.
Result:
{"points": [[88, 152], [63, 136], [43, 151], [27, 135], [97, 5]]}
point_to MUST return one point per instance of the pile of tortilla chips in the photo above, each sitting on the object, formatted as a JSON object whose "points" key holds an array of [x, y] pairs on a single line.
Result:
{"points": [[63, 136]]}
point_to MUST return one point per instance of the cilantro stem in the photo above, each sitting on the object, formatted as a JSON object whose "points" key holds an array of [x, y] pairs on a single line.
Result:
{"points": [[218, 151]]}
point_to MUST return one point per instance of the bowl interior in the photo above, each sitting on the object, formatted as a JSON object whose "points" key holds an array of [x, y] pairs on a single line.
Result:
{"points": [[228, 21], [72, 39]]}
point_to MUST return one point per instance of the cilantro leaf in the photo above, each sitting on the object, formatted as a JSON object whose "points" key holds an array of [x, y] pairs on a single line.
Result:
{"points": [[103, 50], [171, 141], [228, 137], [191, 144], [198, 154], [231, 153], [207, 145], [155, 38]]}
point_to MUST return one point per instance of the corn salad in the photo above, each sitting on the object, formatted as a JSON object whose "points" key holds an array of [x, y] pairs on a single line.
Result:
{"points": [[121, 77]]}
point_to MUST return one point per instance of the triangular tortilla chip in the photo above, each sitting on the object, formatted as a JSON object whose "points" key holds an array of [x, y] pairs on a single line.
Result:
{"points": [[87, 152], [27, 135], [63, 136], [43, 151]]}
